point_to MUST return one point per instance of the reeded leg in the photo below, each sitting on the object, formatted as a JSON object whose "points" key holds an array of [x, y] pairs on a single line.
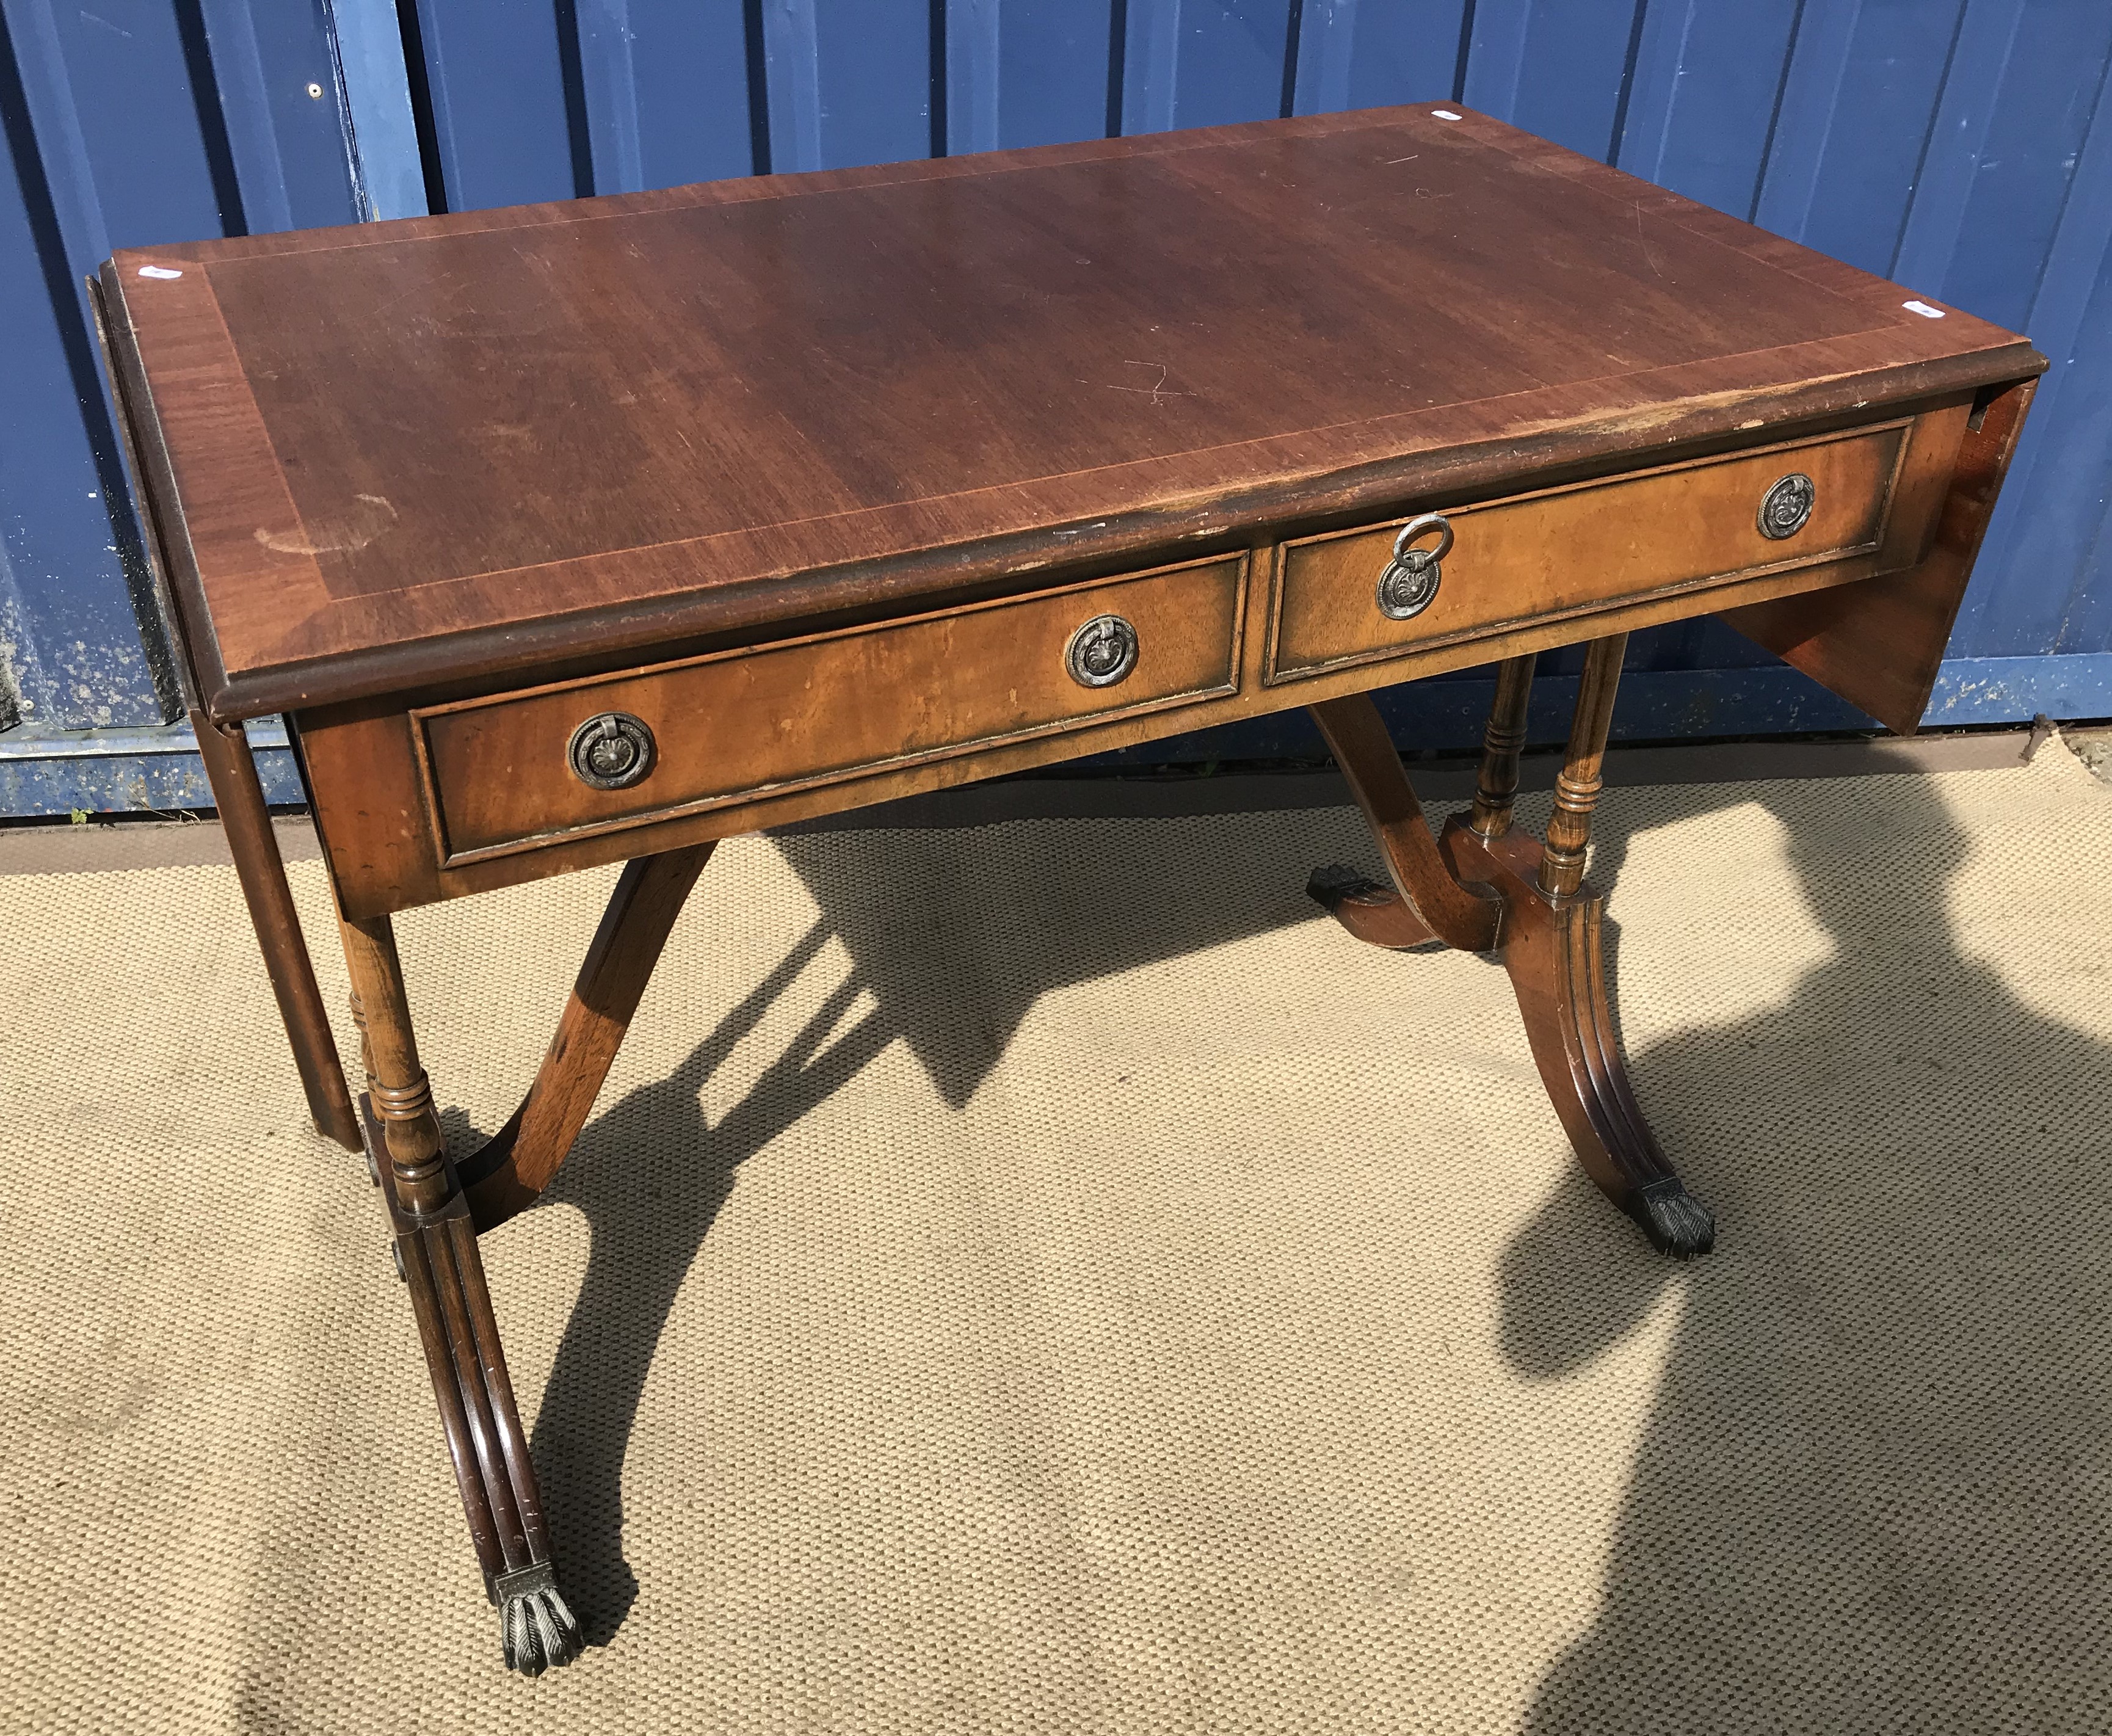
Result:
{"points": [[437, 1256], [1553, 949], [1548, 929]]}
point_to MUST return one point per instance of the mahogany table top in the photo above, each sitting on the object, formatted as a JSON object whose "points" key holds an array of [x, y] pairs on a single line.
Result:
{"points": [[446, 447]]}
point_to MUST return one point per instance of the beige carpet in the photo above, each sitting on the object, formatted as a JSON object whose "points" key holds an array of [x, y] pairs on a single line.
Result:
{"points": [[1044, 1278]]}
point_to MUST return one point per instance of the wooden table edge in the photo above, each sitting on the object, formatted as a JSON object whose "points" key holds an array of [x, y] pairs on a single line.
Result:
{"points": [[947, 573]]}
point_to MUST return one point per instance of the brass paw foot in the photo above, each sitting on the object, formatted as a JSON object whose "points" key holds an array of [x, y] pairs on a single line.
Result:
{"points": [[536, 1630], [1675, 1221]]}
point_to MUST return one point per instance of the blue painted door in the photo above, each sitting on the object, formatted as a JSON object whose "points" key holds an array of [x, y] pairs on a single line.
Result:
{"points": [[1963, 146]]}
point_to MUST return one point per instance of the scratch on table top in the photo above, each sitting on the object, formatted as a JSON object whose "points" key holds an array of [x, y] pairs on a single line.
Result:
{"points": [[1644, 240], [1158, 391]]}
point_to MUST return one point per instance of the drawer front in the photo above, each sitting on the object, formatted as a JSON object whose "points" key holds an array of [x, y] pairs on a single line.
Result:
{"points": [[1576, 548], [518, 770]]}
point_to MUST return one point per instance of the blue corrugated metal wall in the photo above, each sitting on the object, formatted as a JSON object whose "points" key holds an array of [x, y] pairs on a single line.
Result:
{"points": [[125, 121], [1963, 146]]}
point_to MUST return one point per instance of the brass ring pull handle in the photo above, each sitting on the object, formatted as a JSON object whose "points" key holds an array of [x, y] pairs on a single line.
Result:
{"points": [[1784, 507], [612, 751], [1408, 586], [1101, 652]]}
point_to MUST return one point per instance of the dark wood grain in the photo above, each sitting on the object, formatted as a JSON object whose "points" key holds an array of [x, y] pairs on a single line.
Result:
{"points": [[1375, 914], [818, 710], [1553, 949], [1495, 784], [816, 475], [231, 770], [1578, 785], [416, 451], [376, 806], [1483, 886], [1544, 554]]}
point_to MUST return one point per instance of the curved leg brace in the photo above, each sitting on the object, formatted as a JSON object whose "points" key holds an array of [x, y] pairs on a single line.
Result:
{"points": [[1378, 915], [1547, 929], [1462, 916], [1553, 949], [518, 1161]]}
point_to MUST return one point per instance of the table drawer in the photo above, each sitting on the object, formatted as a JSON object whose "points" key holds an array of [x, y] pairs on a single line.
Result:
{"points": [[1575, 549], [517, 770]]}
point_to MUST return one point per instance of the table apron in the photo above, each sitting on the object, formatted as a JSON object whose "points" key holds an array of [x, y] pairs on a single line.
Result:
{"points": [[418, 803]]}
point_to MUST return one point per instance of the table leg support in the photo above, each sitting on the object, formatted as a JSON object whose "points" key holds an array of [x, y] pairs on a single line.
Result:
{"points": [[1432, 902], [1483, 886], [1576, 788], [1553, 949], [436, 1255], [518, 1162], [1496, 788], [238, 793]]}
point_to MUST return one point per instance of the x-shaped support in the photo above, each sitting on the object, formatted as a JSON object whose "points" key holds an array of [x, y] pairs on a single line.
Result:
{"points": [[1480, 887]]}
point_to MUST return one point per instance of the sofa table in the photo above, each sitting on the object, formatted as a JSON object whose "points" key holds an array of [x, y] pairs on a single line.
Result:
{"points": [[599, 530]]}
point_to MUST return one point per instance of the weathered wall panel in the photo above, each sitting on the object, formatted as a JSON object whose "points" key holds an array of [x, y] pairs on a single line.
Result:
{"points": [[131, 122]]}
